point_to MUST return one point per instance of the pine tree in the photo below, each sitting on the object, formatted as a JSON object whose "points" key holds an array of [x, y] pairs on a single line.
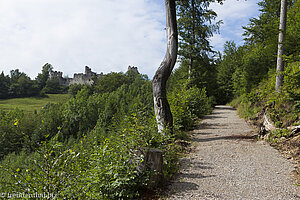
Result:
{"points": [[195, 26]]}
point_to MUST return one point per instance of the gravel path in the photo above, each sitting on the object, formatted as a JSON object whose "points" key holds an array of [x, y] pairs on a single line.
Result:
{"points": [[228, 164]]}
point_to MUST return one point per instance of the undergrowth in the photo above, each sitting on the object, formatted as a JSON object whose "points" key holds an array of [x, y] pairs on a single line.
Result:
{"points": [[282, 108], [93, 145]]}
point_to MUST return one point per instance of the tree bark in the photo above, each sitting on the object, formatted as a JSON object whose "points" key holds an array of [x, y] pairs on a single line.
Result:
{"points": [[161, 106], [193, 39], [282, 29]]}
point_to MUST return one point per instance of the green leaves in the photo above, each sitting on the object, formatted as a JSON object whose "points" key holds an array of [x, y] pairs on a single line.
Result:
{"points": [[11, 136], [195, 27], [87, 148], [244, 68], [282, 107], [188, 103]]}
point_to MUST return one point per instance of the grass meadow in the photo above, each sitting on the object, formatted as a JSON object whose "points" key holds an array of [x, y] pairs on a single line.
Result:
{"points": [[31, 104]]}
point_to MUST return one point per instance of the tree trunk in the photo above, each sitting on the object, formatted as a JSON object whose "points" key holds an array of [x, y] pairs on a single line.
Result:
{"points": [[193, 35], [161, 106], [193, 39], [282, 29]]}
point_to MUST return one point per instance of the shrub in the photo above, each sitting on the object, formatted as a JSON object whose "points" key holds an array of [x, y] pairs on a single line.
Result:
{"points": [[52, 169], [187, 104], [75, 88], [283, 107], [11, 136], [96, 166]]}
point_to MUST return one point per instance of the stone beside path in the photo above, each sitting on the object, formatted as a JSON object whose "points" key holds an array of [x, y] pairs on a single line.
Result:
{"points": [[227, 163]]}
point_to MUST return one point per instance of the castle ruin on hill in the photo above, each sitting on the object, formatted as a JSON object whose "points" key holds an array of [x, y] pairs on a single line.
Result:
{"points": [[81, 78]]}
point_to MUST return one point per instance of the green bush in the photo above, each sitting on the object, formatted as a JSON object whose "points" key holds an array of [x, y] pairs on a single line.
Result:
{"points": [[187, 104], [53, 87], [89, 147], [283, 107], [75, 88], [11, 136], [96, 166], [52, 169]]}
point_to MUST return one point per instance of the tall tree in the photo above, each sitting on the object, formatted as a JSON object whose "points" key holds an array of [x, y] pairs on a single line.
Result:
{"points": [[264, 29], [15, 75], [195, 27], [161, 106], [21, 85], [292, 38], [282, 30], [4, 86], [231, 61], [42, 78], [262, 38]]}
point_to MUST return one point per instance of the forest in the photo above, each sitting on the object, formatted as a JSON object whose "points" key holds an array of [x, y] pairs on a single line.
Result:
{"points": [[89, 147]]}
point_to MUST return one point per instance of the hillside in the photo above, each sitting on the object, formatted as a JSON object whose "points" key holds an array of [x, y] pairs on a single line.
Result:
{"points": [[31, 104]]}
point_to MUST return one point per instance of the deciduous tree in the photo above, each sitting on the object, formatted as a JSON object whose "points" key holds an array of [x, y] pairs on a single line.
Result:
{"points": [[282, 30], [42, 78]]}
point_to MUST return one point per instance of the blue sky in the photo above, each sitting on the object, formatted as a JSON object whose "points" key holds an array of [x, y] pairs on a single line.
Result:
{"points": [[234, 14], [106, 35]]}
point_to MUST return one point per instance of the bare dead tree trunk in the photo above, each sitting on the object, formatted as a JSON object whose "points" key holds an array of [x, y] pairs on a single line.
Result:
{"points": [[161, 106], [282, 29]]}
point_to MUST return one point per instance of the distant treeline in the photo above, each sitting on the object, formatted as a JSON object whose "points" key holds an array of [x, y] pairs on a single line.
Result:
{"points": [[18, 84]]}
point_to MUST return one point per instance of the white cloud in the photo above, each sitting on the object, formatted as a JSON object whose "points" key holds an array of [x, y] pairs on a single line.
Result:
{"points": [[218, 41], [107, 35], [234, 14]]}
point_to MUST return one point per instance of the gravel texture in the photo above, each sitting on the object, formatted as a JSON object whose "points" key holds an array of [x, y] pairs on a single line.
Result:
{"points": [[227, 163]]}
